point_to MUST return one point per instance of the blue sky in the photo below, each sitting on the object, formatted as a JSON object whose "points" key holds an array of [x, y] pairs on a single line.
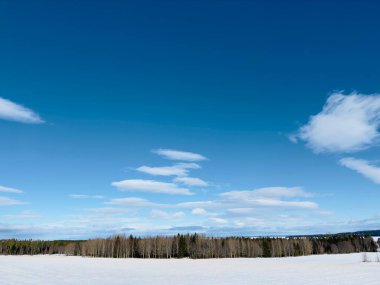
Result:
{"points": [[158, 117]]}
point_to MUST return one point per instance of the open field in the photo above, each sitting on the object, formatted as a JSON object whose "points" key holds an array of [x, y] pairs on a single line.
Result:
{"points": [[321, 269]]}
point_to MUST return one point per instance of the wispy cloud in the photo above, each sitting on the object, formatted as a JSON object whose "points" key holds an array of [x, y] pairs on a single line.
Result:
{"points": [[4, 201], [21, 216], [289, 192], [219, 221], [159, 214], [82, 196], [199, 212], [186, 229], [191, 181], [269, 202], [347, 123], [179, 155], [180, 169], [135, 202], [203, 212], [266, 192], [152, 186], [200, 204], [270, 197], [10, 190], [108, 210], [240, 211], [14, 112], [363, 167]]}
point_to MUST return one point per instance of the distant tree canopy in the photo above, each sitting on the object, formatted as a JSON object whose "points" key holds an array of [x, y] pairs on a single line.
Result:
{"points": [[191, 246]]}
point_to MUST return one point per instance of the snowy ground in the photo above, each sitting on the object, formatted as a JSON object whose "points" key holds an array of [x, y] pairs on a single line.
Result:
{"points": [[323, 269]]}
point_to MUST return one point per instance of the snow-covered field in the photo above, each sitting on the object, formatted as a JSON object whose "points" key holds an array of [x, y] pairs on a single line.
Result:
{"points": [[62, 270]]}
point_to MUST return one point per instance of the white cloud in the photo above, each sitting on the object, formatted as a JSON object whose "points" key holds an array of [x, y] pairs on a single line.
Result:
{"points": [[10, 190], [204, 213], [21, 216], [191, 181], [82, 196], [269, 197], [200, 204], [240, 211], [14, 112], [289, 192], [140, 202], [282, 192], [262, 197], [4, 201], [134, 202], [199, 212], [280, 203], [244, 203], [179, 155], [180, 169], [363, 167], [108, 210], [346, 123], [269, 212], [151, 186], [159, 214], [163, 171], [265, 209], [218, 221]]}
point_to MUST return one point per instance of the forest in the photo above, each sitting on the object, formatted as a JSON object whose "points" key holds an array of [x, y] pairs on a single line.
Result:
{"points": [[192, 246]]}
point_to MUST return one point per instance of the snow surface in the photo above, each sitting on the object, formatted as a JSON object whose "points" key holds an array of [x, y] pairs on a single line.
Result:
{"points": [[63, 270]]}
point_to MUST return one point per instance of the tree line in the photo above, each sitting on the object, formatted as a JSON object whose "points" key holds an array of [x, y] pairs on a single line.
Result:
{"points": [[192, 246]]}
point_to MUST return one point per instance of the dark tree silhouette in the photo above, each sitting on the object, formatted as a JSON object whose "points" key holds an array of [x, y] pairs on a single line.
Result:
{"points": [[193, 246]]}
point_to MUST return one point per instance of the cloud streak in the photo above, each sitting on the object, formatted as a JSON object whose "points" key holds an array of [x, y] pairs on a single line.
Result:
{"points": [[159, 214], [134, 202], [151, 186], [10, 190], [362, 167], [179, 155], [14, 112], [4, 201], [83, 196], [180, 169], [21, 216], [270, 197], [191, 181]]}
